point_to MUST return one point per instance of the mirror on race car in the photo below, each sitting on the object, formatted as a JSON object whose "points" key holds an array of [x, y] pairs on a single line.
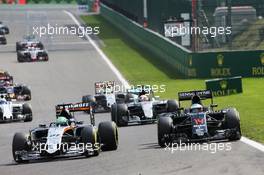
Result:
{"points": [[214, 105]]}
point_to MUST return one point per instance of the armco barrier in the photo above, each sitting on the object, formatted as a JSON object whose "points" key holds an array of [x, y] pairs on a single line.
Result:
{"points": [[163, 48], [190, 65]]}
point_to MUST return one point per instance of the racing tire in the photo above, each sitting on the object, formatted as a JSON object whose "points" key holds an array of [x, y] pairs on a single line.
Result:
{"points": [[232, 121], [108, 135], [164, 129], [172, 106], [113, 112], [26, 91], [27, 111], [17, 47], [89, 135], [118, 114], [1, 115], [20, 59], [19, 144]]}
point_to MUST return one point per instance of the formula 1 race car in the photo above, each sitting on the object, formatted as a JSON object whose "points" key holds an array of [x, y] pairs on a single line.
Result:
{"points": [[11, 90], [16, 92], [104, 96], [10, 111], [4, 30], [198, 123], [143, 109], [32, 54], [5, 76], [3, 40], [66, 137], [27, 42]]}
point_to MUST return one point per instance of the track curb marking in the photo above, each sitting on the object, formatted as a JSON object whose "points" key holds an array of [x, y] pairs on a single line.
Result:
{"points": [[245, 140]]}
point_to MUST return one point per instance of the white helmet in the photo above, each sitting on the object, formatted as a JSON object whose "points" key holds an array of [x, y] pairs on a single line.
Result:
{"points": [[196, 108], [143, 98]]}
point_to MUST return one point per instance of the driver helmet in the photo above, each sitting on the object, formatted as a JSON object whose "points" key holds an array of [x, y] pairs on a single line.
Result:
{"points": [[195, 108], [143, 98], [61, 120]]}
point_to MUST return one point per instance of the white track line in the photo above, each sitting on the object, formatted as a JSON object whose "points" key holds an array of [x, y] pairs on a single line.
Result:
{"points": [[253, 143], [245, 140], [103, 56]]}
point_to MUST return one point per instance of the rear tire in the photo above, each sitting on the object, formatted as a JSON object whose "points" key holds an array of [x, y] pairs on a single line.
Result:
{"points": [[164, 130], [90, 136], [19, 144], [108, 135], [232, 121], [27, 111], [26, 91]]}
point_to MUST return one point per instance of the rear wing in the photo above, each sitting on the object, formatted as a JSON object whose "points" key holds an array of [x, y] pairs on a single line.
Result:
{"points": [[203, 94], [76, 107], [104, 87]]}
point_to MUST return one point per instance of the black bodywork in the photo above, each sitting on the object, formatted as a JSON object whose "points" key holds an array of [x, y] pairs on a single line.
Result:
{"points": [[4, 30], [208, 124], [17, 92]]}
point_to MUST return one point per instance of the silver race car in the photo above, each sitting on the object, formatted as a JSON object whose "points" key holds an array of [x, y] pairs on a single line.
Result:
{"points": [[10, 111], [142, 107], [32, 54]]}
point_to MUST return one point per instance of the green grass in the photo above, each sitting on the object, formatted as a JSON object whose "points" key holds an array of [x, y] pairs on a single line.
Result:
{"points": [[140, 67]]}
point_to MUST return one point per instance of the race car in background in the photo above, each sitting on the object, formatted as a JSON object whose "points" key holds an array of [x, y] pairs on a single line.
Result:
{"points": [[142, 109], [10, 111], [4, 30], [66, 137], [27, 42], [198, 123], [5, 76], [3, 40], [104, 96], [17, 92], [32, 54], [13, 91]]}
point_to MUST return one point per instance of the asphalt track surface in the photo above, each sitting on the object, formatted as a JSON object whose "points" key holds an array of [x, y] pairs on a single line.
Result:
{"points": [[73, 68]]}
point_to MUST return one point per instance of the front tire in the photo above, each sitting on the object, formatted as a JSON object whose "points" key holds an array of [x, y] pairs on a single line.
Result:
{"points": [[118, 111], [90, 136], [19, 144], [109, 135], [164, 130]]}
